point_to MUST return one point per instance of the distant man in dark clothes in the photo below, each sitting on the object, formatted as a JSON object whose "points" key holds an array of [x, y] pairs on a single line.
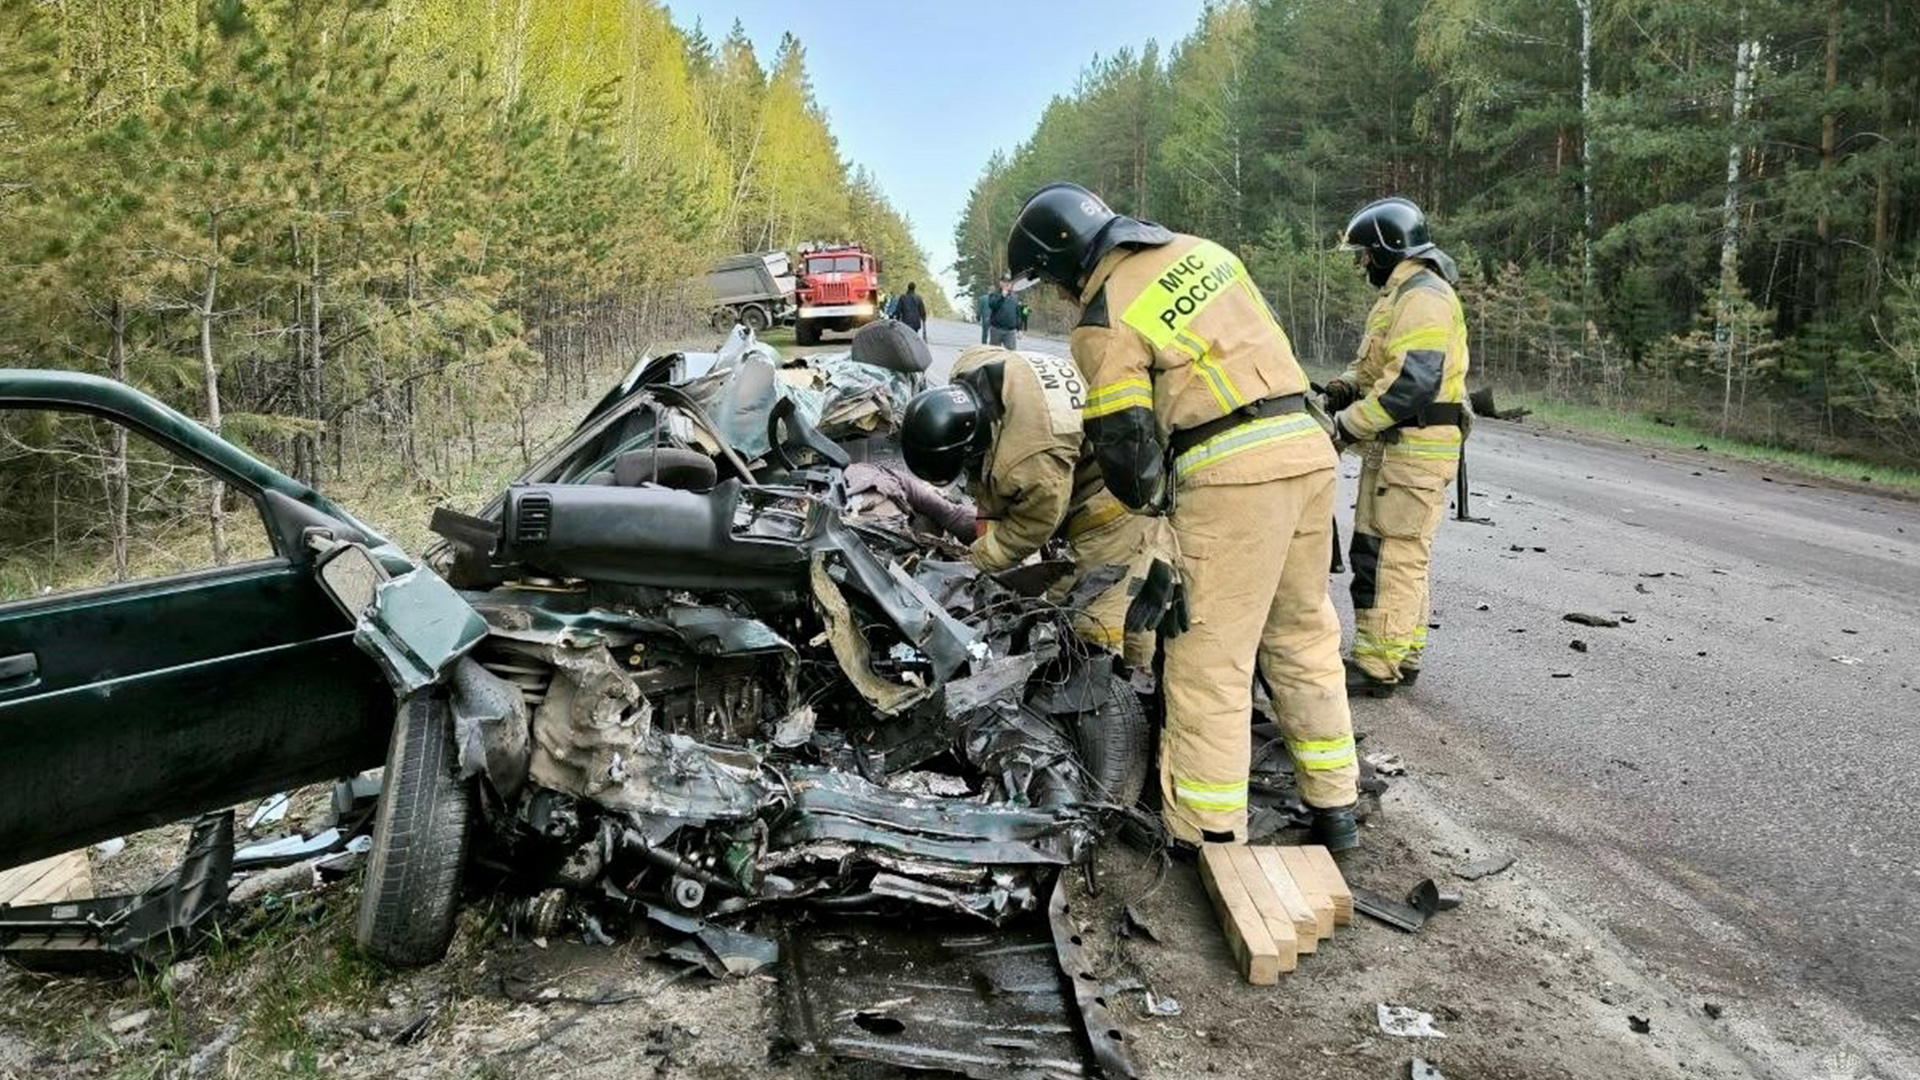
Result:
{"points": [[1004, 317], [912, 310], [983, 310]]}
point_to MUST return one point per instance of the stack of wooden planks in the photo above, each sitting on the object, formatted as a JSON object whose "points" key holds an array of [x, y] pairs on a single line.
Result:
{"points": [[1275, 903], [49, 881]]}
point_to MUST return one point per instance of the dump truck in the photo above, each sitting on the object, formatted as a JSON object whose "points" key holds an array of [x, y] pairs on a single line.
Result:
{"points": [[756, 289], [839, 290]]}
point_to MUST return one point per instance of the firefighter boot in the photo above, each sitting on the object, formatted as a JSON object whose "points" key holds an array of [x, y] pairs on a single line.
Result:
{"points": [[1335, 828], [1362, 683]]}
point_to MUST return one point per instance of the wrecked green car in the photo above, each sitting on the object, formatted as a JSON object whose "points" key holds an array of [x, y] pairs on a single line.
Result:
{"points": [[132, 703]]}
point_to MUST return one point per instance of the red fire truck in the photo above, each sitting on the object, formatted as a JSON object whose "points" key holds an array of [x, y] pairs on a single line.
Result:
{"points": [[839, 290]]}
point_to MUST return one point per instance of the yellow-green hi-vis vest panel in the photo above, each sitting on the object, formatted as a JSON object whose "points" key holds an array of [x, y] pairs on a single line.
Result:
{"points": [[1193, 340]]}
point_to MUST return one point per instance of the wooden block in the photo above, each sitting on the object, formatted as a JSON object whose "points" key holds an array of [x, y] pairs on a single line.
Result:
{"points": [[1307, 876], [49, 881], [1246, 931], [1306, 925], [1267, 902], [1334, 880]]}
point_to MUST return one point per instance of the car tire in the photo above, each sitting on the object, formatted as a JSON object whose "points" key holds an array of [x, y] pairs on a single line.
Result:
{"points": [[412, 888], [1113, 743], [754, 317]]}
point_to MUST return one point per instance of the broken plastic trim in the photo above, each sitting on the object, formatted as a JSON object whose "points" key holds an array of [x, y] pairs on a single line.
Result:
{"points": [[146, 927]]}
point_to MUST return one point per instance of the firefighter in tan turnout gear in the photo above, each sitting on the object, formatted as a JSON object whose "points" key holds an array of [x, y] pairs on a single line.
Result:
{"points": [[1011, 421], [1401, 404], [1196, 409]]}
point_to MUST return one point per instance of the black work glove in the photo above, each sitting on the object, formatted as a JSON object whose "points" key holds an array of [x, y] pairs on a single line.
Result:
{"points": [[1339, 394], [1160, 602]]}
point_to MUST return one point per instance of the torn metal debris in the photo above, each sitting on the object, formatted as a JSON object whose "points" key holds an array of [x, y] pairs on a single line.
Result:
{"points": [[144, 927]]}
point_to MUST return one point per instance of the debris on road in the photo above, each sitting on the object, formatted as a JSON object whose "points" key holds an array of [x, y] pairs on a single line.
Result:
{"points": [[1843, 658], [1639, 1025], [1487, 867], [1406, 1022], [1386, 764], [1418, 1069], [1586, 619], [1157, 1006], [1134, 925], [1713, 1010], [271, 811], [1577, 645], [1423, 902]]}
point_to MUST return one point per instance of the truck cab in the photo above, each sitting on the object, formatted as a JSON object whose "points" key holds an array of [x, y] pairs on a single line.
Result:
{"points": [[839, 290]]}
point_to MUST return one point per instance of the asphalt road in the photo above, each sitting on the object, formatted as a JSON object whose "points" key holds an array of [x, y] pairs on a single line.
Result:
{"points": [[1724, 785]]}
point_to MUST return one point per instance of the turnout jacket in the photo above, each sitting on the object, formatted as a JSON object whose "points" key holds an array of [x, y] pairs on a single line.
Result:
{"points": [[1414, 356], [1033, 476], [1173, 335]]}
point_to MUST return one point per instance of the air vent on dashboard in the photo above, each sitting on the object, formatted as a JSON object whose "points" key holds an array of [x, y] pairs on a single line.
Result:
{"points": [[533, 517]]}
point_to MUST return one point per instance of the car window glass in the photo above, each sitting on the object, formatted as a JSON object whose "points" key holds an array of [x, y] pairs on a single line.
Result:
{"points": [[847, 264], [68, 521], [819, 266]]}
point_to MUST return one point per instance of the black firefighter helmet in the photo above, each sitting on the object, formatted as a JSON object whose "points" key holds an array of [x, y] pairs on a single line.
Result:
{"points": [[1054, 234], [942, 429], [1390, 231]]}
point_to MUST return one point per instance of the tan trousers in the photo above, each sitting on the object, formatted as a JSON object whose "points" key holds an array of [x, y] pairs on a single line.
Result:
{"points": [[1394, 521], [1113, 537], [1254, 559]]}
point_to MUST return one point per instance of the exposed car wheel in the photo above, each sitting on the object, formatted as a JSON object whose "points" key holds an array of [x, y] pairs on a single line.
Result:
{"points": [[723, 319], [419, 839], [806, 332], [755, 318], [1113, 743]]}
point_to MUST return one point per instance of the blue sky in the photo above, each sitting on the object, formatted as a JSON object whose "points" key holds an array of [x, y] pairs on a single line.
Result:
{"points": [[922, 92]]}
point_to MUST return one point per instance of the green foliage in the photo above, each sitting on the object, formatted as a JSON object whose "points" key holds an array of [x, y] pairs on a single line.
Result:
{"points": [[356, 233], [1572, 154]]}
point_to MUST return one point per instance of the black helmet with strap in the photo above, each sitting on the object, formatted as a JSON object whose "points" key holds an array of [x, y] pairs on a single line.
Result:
{"points": [[1390, 231], [945, 429], [1053, 233], [1064, 230]]}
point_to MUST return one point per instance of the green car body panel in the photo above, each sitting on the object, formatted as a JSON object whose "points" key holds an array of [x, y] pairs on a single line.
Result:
{"points": [[137, 704]]}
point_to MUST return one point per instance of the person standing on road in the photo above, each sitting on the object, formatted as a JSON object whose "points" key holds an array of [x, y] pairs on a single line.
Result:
{"points": [[1011, 422], [983, 310], [1004, 317], [1196, 409], [1401, 403], [911, 310]]}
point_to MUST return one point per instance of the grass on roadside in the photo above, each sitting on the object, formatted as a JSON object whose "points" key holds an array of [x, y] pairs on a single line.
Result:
{"points": [[1641, 427]]}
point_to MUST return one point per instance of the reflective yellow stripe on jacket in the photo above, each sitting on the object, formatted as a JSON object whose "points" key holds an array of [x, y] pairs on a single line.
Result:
{"points": [[1109, 398], [1247, 436]]}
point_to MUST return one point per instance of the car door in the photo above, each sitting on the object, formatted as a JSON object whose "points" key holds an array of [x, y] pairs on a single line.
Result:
{"points": [[143, 679]]}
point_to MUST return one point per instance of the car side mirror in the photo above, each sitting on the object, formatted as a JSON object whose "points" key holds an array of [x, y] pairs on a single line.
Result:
{"points": [[352, 576]]}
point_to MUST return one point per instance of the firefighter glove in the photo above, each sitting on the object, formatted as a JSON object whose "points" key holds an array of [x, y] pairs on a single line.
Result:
{"points": [[1339, 394], [1160, 602]]}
